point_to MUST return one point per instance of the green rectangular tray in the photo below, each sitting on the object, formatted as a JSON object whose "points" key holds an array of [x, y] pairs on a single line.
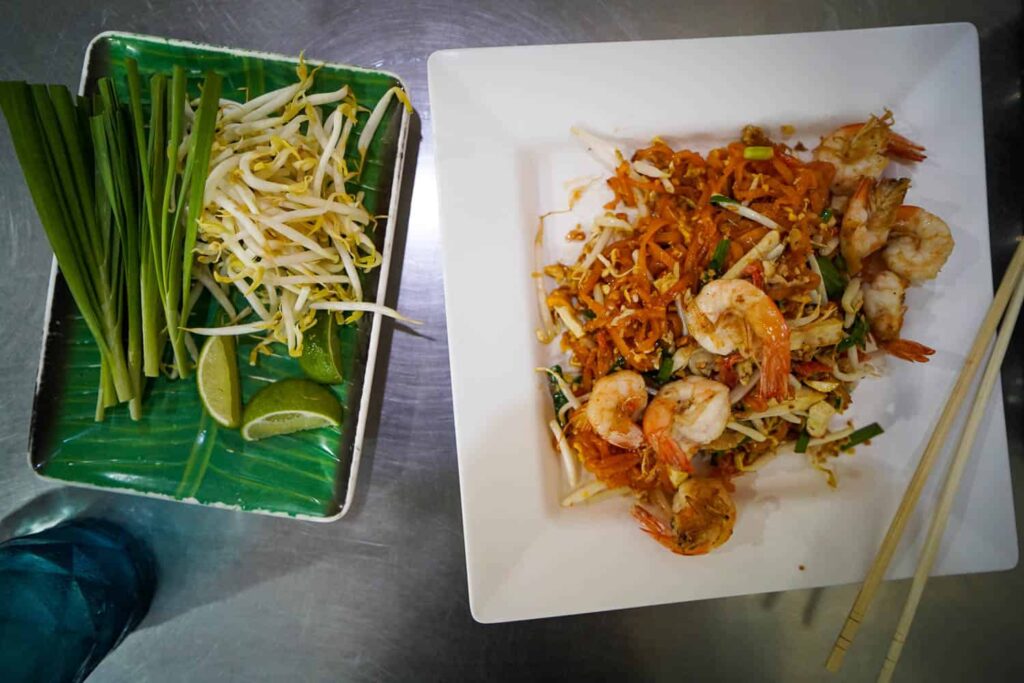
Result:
{"points": [[176, 451]]}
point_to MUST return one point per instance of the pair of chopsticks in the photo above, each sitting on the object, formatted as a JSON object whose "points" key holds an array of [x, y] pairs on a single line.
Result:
{"points": [[1007, 301]]}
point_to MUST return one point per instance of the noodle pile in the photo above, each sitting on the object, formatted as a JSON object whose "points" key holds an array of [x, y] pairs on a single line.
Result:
{"points": [[677, 220]]}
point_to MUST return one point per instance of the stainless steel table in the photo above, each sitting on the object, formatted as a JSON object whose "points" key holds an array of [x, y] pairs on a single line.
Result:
{"points": [[381, 595]]}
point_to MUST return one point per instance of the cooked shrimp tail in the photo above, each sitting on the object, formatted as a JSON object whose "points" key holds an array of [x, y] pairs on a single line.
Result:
{"points": [[906, 349], [902, 148], [703, 517], [884, 294], [775, 364], [671, 452], [656, 529], [863, 150], [868, 219]]}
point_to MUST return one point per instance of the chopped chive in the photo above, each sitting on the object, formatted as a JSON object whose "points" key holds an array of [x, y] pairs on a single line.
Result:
{"points": [[861, 435], [758, 153], [722, 199], [557, 397], [840, 263], [858, 332], [665, 369], [718, 256], [835, 284], [826, 215], [802, 441]]}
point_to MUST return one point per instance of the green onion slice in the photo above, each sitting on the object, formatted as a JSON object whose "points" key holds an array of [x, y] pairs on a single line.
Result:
{"points": [[861, 435], [718, 257], [802, 441], [757, 153], [557, 397], [665, 369], [835, 283], [858, 332]]}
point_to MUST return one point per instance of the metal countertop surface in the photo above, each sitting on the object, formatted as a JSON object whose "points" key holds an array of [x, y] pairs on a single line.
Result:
{"points": [[381, 595]]}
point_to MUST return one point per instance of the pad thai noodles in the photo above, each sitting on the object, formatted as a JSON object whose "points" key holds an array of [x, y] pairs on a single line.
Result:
{"points": [[723, 307]]}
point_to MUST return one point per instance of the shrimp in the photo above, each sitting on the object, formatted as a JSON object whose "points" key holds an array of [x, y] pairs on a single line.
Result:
{"points": [[685, 415], [884, 293], [616, 403], [734, 314], [868, 219], [919, 244], [703, 517], [863, 150], [883, 304]]}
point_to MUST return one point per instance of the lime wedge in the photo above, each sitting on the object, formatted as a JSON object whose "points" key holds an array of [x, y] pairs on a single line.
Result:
{"points": [[289, 405], [321, 351], [217, 381]]}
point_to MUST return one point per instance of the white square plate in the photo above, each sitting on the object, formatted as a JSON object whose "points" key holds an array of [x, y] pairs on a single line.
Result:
{"points": [[505, 155]]}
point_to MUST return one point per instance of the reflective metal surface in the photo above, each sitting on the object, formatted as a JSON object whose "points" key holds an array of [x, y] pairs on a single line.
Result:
{"points": [[381, 595]]}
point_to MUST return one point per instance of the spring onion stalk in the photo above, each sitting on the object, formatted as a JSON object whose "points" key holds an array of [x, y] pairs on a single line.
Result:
{"points": [[151, 312], [115, 164], [51, 137], [165, 135], [174, 199]]}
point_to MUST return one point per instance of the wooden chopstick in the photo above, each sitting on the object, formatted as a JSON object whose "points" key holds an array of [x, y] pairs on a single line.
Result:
{"points": [[949, 490], [935, 445]]}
